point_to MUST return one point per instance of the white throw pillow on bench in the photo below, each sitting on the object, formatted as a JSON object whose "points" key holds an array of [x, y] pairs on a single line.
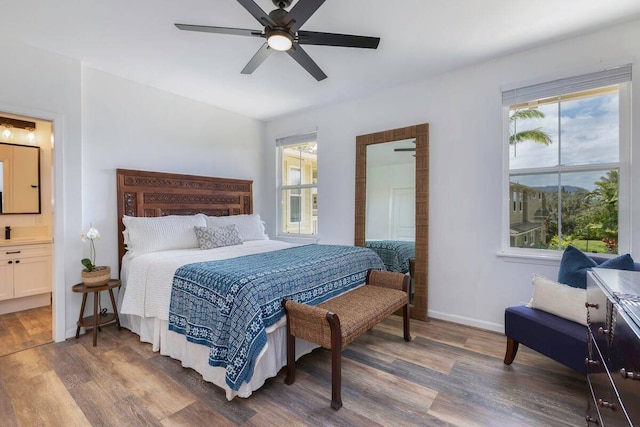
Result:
{"points": [[558, 299]]}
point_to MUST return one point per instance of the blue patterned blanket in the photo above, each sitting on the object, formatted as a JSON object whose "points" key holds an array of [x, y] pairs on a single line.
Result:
{"points": [[228, 304], [394, 253]]}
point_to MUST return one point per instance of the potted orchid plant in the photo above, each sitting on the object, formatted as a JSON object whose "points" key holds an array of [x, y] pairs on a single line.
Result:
{"points": [[93, 275]]}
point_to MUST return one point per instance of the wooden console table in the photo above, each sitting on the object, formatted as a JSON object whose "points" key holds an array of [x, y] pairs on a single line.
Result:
{"points": [[94, 322]]}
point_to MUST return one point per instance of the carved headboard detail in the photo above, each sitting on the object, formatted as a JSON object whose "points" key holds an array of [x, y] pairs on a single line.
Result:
{"points": [[150, 194]]}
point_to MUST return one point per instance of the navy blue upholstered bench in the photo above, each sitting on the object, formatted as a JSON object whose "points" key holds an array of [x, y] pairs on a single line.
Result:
{"points": [[560, 339]]}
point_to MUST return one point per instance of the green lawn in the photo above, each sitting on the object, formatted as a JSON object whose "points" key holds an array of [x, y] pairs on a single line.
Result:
{"points": [[590, 245]]}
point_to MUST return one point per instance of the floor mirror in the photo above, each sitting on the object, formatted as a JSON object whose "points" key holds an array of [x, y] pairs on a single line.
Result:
{"points": [[392, 201]]}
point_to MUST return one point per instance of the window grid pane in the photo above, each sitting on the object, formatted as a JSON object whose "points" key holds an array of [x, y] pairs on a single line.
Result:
{"points": [[564, 206]]}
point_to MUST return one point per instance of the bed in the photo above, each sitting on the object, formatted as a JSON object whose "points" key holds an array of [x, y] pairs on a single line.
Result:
{"points": [[396, 254], [192, 304]]}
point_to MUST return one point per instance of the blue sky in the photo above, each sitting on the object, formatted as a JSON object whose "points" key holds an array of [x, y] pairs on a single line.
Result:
{"points": [[589, 134]]}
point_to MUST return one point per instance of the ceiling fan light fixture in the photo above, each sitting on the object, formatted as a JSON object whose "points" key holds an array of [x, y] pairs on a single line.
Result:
{"points": [[279, 40]]}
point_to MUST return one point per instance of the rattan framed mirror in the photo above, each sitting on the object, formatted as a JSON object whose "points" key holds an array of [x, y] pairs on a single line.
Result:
{"points": [[419, 308]]}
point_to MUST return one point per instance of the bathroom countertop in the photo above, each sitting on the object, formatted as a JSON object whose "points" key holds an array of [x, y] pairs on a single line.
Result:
{"points": [[25, 241]]}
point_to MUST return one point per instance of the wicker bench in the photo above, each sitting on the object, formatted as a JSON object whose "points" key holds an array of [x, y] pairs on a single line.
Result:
{"points": [[337, 322]]}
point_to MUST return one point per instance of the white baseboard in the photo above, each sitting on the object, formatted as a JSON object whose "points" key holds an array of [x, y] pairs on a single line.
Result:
{"points": [[480, 324]]}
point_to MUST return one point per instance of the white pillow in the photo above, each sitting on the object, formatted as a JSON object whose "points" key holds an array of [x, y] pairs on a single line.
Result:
{"points": [[562, 300], [250, 227], [161, 233]]}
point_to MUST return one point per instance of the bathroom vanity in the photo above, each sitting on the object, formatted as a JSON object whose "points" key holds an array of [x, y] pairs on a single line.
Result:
{"points": [[25, 274]]}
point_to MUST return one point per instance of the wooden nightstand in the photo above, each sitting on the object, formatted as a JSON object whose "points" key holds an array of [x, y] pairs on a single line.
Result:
{"points": [[96, 320]]}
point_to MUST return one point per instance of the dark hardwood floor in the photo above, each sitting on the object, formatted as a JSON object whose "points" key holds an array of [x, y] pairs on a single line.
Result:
{"points": [[448, 375], [25, 329]]}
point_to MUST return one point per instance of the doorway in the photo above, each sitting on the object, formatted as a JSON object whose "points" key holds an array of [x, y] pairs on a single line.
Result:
{"points": [[26, 263]]}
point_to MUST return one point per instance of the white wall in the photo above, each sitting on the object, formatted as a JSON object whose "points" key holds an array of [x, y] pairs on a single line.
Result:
{"points": [[131, 126], [468, 282]]}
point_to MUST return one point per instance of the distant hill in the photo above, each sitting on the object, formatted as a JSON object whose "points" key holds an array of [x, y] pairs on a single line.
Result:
{"points": [[567, 188]]}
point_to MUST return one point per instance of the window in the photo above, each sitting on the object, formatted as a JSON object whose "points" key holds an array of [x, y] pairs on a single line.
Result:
{"points": [[298, 185], [568, 145]]}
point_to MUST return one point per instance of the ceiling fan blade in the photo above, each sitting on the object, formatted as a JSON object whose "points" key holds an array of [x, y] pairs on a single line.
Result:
{"points": [[300, 13], [220, 30], [301, 57], [257, 12], [262, 54], [332, 39]]}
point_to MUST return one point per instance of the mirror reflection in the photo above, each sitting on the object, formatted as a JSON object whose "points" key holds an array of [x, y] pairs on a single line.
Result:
{"points": [[390, 227], [19, 179]]}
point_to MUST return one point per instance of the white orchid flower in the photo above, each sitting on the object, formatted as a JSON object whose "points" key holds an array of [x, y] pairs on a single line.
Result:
{"points": [[93, 233]]}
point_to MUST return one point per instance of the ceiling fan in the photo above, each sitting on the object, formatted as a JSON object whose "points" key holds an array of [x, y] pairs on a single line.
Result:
{"points": [[282, 31]]}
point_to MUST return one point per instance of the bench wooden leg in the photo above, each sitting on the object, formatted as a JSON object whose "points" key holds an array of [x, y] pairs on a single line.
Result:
{"points": [[336, 378], [291, 357], [512, 349], [405, 322], [336, 361]]}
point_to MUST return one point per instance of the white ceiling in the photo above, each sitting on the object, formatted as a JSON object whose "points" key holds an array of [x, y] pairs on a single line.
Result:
{"points": [[138, 41]]}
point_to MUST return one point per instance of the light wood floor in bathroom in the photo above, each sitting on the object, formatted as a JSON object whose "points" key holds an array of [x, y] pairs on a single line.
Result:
{"points": [[25, 329], [449, 375]]}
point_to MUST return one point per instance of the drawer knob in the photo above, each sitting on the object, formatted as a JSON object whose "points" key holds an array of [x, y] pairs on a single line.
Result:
{"points": [[591, 362], [631, 375], [591, 419], [605, 404], [602, 331], [588, 304]]}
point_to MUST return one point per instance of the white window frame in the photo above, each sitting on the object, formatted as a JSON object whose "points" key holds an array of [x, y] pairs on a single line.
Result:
{"points": [[281, 143], [558, 87]]}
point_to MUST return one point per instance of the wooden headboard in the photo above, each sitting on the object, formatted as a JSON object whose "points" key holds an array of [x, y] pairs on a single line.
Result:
{"points": [[150, 194]]}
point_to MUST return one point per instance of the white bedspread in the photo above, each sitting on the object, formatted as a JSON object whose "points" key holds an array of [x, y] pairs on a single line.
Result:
{"points": [[147, 279]]}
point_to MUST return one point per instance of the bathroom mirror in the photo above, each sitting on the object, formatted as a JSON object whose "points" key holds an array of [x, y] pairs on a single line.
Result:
{"points": [[19, 179], [388, 209]]}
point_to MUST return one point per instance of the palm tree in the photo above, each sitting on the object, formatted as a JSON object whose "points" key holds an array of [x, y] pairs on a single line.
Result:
{"points": [[605, 195], [535, 135]]}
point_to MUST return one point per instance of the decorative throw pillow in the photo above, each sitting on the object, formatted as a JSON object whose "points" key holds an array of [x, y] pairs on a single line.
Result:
{"points": [[152, 234], [573, 268], [575, 264], [250, 227], [209, 238], [622, 262], [558, 299]]}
